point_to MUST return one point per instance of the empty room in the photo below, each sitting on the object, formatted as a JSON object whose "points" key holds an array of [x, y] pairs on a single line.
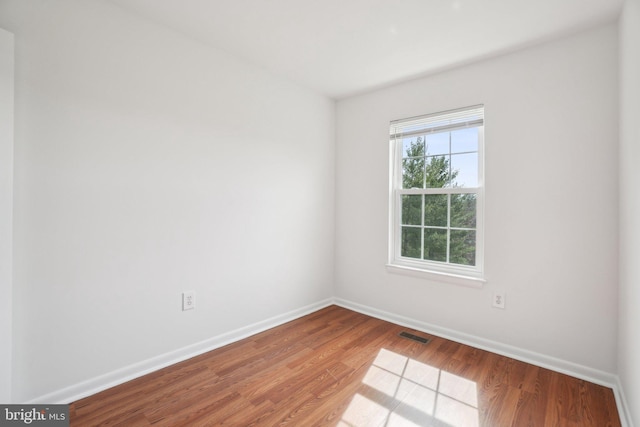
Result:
{"points": [[349, 213]]}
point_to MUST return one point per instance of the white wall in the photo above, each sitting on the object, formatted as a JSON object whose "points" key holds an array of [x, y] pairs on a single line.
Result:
{"points": [[551, 200], [629, 335], [147, 164], [6, 212]]}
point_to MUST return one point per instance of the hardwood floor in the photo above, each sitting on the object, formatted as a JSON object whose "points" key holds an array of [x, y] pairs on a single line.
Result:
{"points": [[341, 368]]}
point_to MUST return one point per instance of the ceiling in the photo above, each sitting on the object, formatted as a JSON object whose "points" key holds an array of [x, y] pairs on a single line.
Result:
{"points": [[344, 47]]}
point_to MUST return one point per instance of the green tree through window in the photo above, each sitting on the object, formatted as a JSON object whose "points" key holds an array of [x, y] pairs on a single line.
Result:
{"points": [[435, 227], [437, 195]]}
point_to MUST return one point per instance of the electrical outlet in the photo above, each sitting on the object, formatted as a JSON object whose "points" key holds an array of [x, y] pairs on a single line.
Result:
{"points": [[188, 300], [498, 299]]}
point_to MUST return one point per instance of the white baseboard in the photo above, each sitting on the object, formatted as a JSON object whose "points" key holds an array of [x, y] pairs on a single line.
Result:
{"points": [[119, 376], [122, 375], [569, 368], [623, 406]]}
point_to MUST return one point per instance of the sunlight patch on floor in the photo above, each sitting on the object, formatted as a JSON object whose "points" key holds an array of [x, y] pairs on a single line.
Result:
{"points": [[401, 392]]}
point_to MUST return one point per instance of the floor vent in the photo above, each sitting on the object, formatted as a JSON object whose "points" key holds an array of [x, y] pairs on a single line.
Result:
{"points": [[414, 337]]}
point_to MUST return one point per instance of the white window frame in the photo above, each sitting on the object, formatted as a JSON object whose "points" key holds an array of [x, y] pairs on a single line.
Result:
{"points": [[439, 122]]}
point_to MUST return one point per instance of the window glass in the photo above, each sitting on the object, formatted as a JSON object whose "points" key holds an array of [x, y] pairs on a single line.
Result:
{"points": [[436, 196]]}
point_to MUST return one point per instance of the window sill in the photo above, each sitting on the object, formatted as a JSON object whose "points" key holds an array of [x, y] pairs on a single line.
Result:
{"points": [[456, 279]]}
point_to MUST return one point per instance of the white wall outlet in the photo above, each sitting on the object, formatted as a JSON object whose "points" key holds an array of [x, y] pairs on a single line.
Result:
{"points": [[188, 300], [498, 299]]}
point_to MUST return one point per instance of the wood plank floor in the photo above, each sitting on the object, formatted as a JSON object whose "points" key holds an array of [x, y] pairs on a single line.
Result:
{"points": [[336, 367]]}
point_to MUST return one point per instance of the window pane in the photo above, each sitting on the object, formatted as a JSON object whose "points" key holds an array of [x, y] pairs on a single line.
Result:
{"points": [[413, 147], [413, 173], [411, 210], [437, 172], [410, 245], [463, 247], [437, 143], [435, 244], [464, 170], [464, 140], [435, 177], [435, 210], [463, 210]]}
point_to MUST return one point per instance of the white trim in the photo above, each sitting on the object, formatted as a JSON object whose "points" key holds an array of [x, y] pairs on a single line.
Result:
{"points": [[623, 406], [421, 273], [559, 365], [119, 376], [127, 373], [549, 362]]}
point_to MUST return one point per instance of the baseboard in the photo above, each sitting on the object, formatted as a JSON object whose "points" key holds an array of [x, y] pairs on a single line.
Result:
{"points": [[623, 406], [569, 368], [122, 375], [119, 376]]}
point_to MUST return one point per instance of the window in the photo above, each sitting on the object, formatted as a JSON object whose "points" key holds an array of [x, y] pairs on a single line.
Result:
{"points": [[437, 192]]}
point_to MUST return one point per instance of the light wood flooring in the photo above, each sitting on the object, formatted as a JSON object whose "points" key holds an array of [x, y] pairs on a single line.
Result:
{"points": [[337, 367]]}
